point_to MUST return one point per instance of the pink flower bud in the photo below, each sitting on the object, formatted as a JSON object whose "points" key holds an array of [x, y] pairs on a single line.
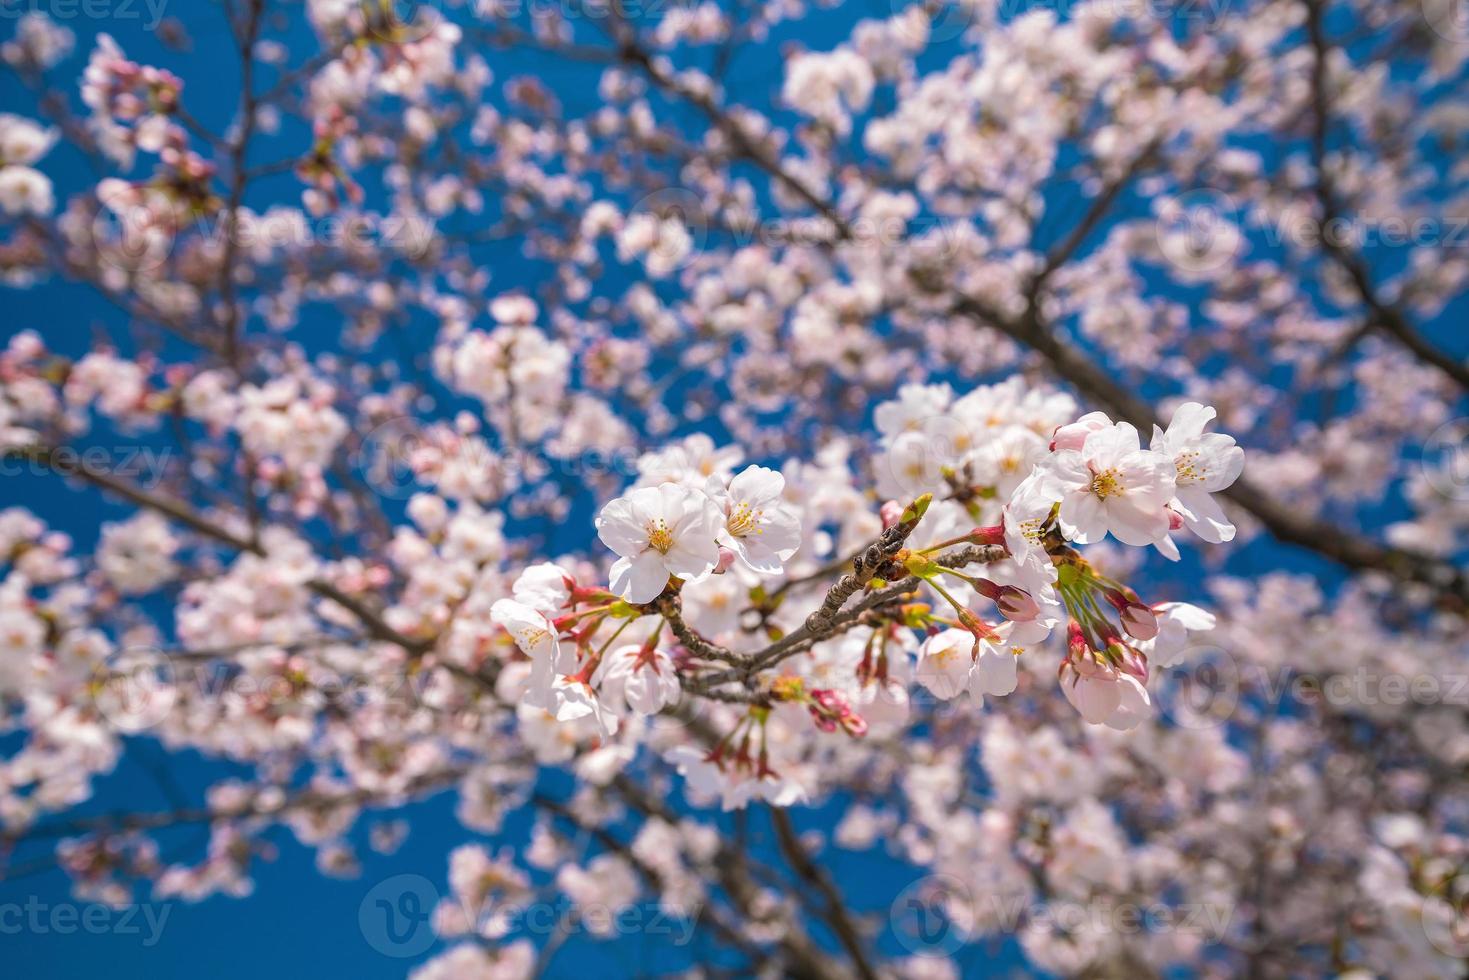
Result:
{"points": [[1076, 645], [1072, 436], [1139, 621], [1017, 605], [891, 513], [992, 535], [829, 710], [726, 559], [1132, 661]]}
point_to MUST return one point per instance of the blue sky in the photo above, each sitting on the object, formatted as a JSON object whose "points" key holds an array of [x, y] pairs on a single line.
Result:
{"points": [[296, 922], [299, 922]]}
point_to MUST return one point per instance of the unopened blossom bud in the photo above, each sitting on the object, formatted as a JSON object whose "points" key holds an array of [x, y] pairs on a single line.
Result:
{"points": [[829, 709], [1074, 436], [1132, 661], [1015, 604], [975, 625], [991, 536], [726, 559], [827, 698], [891, 513], [1139, 621], [1076, 645]]}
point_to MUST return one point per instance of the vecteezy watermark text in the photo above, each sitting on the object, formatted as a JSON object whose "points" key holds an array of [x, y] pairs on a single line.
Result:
{"points": [[144, 465], [396, 917], [35, 917], [150, 12]]}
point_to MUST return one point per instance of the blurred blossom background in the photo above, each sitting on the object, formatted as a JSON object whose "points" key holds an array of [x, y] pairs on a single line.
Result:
{"points": [[326, 321]]}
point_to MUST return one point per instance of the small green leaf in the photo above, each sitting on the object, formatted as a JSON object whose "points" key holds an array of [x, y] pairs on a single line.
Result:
{"points": [[916, 510], [923, 567]]}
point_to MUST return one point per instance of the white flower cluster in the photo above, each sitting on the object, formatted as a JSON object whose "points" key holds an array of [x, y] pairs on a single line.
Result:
{"points": [[675, 530], [1105, 482], [1093, 478], [24, 189], [517, 371]]}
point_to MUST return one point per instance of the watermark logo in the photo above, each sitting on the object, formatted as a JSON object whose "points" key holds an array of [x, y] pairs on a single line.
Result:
{"points": [[135, 688], [394, 915], [132, 238], [668, 228], [1198, 232], [1446, 917], [386, 456], [933, 21], [927, 916], [37, 918], [149, 12], [1201, 691], [145, 466], [399, 21], [1446, 459], [1449, 19]]}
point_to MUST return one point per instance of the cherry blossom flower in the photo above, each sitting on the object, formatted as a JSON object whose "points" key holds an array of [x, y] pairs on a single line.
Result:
{"points": [[1094, 689], [545, 587], [833, 387], [1176, 622], [761, 528], [1074, 435], [1205, 463], [945, 661], [25, 190], [23, 142], [691, 461], [643, 679], [662, 531], [537, 637], [994, 672], [569, 699], [1111, 485]]}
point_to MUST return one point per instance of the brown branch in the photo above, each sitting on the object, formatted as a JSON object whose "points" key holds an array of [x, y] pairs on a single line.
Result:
{"points": [[1350, 549], [238, 179], [1386, 317], [670, 607], [731, 865], [836, 910], [113, 824], [182, 513]]}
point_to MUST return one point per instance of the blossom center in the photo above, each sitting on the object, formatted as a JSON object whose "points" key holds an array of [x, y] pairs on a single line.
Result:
{"points": [[660, 536], [1031, 529], [1107, 484], [1188, 469], [743, 519]]}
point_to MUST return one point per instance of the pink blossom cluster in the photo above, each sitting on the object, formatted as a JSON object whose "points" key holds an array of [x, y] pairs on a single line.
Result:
{"points": [[659, 442]]}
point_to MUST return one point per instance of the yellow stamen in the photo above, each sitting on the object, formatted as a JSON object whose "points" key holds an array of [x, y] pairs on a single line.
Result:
{"points": [[660, 536], [1188, 470], [743, 519], [1106, 484]]}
